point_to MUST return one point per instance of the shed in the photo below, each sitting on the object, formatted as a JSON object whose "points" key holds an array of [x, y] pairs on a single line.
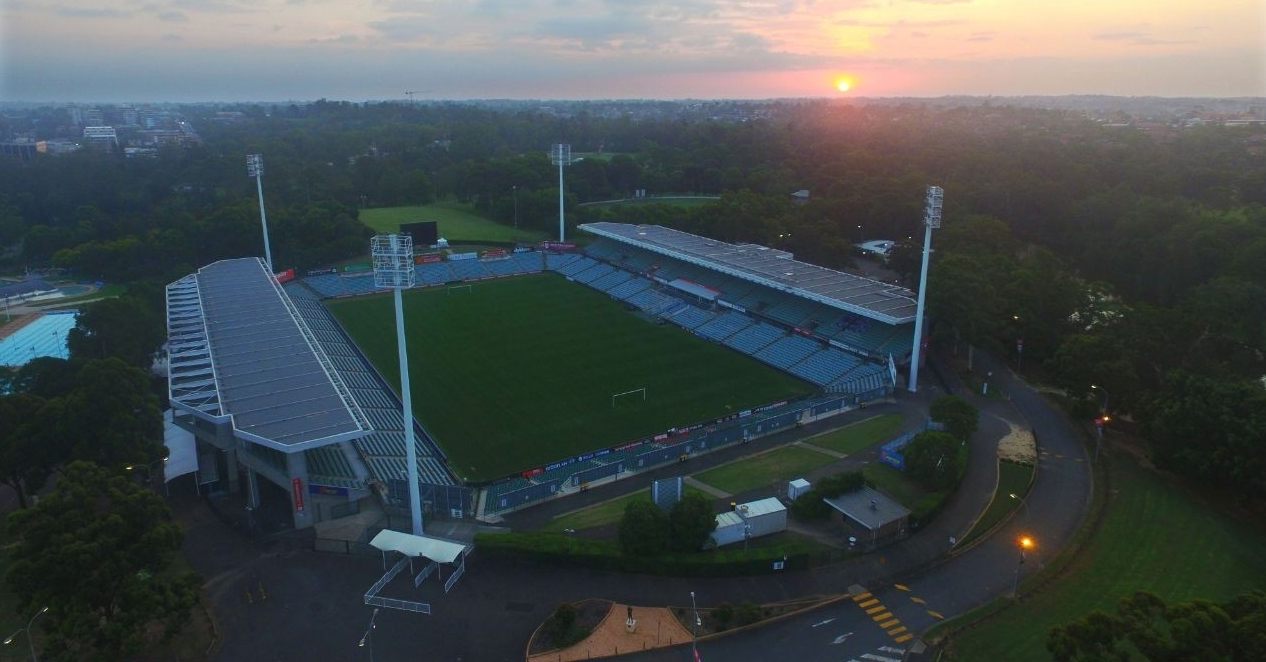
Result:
{"points": [[763, 517], [729, 529], [797, 487], [875, 516]]}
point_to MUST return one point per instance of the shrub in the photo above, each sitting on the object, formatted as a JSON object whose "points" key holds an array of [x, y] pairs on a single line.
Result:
{"points": [[959, 417], [643, 529], [933, 460], [690, 522], [809, 506]]}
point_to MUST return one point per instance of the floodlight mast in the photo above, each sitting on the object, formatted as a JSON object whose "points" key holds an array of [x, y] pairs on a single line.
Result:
{"points": [[255, 168], [931, 221], [393, 268], [560, 155]]}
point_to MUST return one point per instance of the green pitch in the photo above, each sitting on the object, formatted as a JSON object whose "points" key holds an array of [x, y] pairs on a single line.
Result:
{"points": [[516, 373]]}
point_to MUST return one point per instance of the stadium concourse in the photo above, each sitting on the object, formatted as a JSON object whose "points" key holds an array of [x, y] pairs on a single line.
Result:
{"points": [[232, 353]]}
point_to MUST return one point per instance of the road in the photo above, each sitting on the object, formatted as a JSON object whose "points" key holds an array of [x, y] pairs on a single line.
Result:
{"points": [[1057, 504]]}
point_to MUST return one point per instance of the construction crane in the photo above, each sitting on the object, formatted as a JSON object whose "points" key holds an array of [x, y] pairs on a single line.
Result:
{"points": [[410, 93]]}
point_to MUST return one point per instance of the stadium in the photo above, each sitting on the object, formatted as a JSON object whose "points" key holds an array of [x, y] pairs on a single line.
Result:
{"points": [[534, 373]]}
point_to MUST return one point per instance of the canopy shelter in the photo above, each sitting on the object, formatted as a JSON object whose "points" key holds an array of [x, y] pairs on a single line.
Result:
{"points": [[436, 550]]}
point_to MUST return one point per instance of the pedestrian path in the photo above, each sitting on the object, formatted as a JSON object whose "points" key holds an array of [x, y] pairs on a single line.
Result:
{"points": [[882, 617], [706, 488]]}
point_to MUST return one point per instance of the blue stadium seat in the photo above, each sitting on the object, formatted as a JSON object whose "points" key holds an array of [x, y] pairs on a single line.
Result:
{"points": [[788, 351], [755, 337]]}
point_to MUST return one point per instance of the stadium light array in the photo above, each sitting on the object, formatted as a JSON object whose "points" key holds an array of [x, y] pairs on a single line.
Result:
{"points": [[393, 268], [931, 221], [255, 168], [560, 155]]}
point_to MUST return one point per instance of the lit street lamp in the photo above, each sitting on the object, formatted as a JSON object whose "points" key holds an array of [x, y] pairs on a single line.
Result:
{"points": [[1102, 420], [29, 640], [1025, 543]]}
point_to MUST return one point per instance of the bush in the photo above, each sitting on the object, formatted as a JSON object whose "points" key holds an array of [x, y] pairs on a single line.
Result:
{"points": [[959, 417], [643, 529], [809, 506], [746, 614], [934, 461], [723, 614], [690, 522]]}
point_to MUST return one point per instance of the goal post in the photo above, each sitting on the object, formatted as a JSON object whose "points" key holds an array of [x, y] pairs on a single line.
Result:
{"points": [[633, 393], [466, 288]]}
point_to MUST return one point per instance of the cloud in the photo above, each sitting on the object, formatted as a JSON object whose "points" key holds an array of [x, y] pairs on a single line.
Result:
{"points": [[173, 37], [1138, 38], [340, 39], [89, 12], [982, 36], [173, 16]]}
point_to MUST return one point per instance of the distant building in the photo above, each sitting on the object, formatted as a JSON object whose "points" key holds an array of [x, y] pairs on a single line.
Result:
{"points": [[102, 136], [881, 247], [24, 150], [91, 117]]}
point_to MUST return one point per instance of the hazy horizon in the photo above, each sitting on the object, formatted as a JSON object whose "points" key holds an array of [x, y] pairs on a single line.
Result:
{"points": [[185, 51]]}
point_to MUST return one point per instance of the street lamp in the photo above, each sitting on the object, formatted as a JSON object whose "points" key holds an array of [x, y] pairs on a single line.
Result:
{"points": [[694, 629], [1022, 501], [369, 635], [560, 155], [1025, 543], [148, 467], [1102, 420], [29, 640], [515, 188]]}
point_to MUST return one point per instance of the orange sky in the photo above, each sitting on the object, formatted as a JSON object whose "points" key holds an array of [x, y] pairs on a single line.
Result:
{"points": [[280, 49]]}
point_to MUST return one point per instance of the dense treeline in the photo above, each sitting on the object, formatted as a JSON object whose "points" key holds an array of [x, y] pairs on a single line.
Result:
{"points": [[1123, 259]]}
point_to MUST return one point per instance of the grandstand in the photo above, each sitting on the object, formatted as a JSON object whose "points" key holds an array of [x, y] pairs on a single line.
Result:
{"points": [[844, 334]]}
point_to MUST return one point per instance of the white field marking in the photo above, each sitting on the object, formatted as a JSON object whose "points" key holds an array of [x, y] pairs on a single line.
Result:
{"points": [[840, 639], [880, 658], [892, 649], [821, 623]]}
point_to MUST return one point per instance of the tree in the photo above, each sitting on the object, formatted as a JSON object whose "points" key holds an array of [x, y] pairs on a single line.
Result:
{"points": [[112, 416], [959, 417], [124, 327], [690, 522], [643, 529], [24, 457], [96, 552], [933, 459], [1146, 626]]}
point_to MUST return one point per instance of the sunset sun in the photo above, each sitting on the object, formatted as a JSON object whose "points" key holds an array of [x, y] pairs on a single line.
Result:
{"points": [[843, 85]]}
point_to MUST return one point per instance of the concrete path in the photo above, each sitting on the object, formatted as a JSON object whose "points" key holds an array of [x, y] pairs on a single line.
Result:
{"points": [[706, 488]]}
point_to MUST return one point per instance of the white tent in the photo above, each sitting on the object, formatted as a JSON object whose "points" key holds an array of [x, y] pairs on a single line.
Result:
{"points": [[435, 549], [182, 451]]}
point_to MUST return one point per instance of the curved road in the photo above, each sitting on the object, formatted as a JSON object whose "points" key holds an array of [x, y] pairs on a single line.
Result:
{"points": [[1057, 504]]}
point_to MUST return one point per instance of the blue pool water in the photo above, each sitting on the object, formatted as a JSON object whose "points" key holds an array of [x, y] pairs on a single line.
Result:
{"points": [[45, 336]]}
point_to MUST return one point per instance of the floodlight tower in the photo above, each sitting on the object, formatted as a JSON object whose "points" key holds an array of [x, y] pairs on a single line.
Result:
{"points": [[255, 168], [560, 155], [931, 221], [393, 268]]}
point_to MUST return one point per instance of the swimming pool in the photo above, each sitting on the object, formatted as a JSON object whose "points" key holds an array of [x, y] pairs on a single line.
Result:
{"points": [[45, 336]]}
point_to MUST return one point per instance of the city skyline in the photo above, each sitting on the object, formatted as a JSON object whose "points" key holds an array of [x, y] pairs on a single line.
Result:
{"points": [[211, 50]]}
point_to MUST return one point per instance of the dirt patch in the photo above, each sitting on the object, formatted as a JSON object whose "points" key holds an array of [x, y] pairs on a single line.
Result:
{"points": [[655, 627], [1018, 446]]}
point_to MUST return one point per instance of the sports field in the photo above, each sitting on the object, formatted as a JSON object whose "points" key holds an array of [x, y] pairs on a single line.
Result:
{"points": [[456, 221], [516, 373]]}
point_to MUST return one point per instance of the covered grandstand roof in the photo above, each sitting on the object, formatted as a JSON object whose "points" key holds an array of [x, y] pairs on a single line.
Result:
{"points": [[239, 351], [772, 268]]}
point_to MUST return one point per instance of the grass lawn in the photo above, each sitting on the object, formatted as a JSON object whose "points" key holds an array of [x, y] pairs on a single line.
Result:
{"points": [[778, 465], [1154, 537], [1013, 478], [860, 435], [457, 221], [512, 374], [600, 514]]}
